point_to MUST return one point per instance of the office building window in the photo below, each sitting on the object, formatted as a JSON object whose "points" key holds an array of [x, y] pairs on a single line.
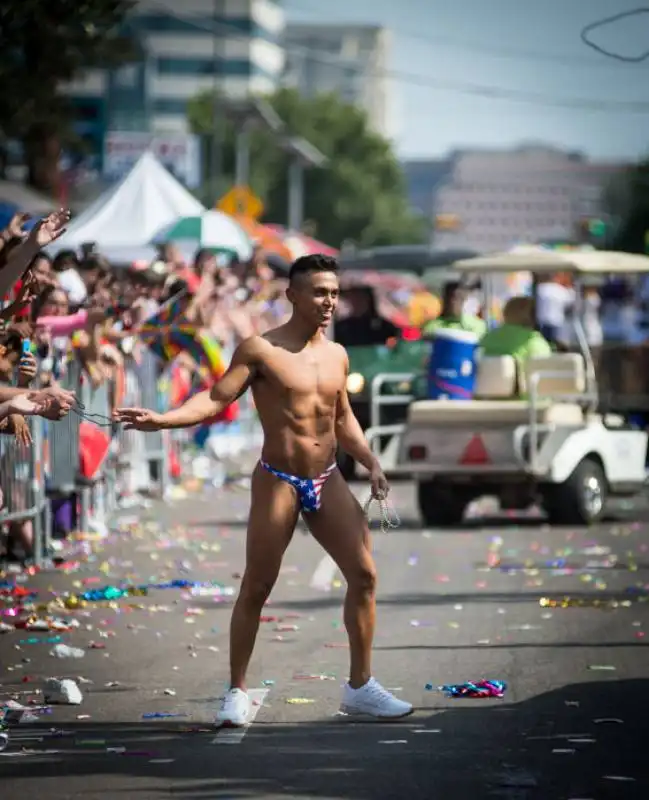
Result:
{"points": [[167, 105]]}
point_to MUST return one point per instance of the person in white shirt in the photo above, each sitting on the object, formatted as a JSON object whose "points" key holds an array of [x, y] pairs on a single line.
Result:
{"points": [[65, 265], [590, 320], [553, 300], [622, 319]]}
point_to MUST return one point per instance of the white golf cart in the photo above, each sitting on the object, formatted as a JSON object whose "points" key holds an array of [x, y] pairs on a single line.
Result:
{"points": [[554, 445]]}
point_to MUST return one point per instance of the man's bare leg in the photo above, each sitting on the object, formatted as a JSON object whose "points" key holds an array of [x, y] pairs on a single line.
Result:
{"points": [[341, 528], [273, 514]]}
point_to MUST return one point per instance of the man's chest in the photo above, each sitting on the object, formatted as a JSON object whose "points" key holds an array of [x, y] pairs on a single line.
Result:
{"points": [[305, 373]]}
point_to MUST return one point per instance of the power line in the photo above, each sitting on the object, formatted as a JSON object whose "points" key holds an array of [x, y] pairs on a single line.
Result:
{"points": [[636, 12], [497, 52], [458, 87]]}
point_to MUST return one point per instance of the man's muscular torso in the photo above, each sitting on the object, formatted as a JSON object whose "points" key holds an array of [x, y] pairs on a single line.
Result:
{"points": [[297, 389]]}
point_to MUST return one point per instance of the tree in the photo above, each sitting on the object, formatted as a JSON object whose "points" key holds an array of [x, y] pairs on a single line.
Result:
{"points": [[359, 195], [46, 44], [628, 202]]}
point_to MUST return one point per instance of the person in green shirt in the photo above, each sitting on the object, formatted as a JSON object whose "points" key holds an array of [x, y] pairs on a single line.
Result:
{"points": [[516, 336], [452, 315]]}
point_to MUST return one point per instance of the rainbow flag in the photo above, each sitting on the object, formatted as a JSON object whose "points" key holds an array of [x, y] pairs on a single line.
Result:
{"points": [[168, 314], [170, 341]]}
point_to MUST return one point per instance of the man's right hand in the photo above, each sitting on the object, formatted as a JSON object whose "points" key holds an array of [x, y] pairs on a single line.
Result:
{"points": [[138, 419]]}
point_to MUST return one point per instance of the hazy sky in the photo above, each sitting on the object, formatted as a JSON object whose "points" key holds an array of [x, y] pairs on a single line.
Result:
{"points": [[512, 45]]}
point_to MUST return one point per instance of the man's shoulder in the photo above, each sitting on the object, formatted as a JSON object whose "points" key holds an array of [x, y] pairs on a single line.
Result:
{"points": [[253, 347], [336, 350]]}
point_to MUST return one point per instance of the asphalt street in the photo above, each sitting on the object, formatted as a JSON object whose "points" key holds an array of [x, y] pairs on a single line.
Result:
{"points": [[453, 606]]}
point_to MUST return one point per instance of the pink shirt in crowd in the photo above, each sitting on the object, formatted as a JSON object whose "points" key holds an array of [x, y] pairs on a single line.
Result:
{"points": [[65, 325]]}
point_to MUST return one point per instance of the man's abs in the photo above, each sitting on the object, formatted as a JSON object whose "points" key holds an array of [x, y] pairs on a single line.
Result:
{"points": [[298, 438], [299, 456]]}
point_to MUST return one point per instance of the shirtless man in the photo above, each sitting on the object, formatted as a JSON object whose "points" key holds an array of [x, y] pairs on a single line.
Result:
{"points": [[298, 381]]}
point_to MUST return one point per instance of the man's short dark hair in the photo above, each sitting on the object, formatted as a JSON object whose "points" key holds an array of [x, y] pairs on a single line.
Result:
{"points": [[312, 263]]}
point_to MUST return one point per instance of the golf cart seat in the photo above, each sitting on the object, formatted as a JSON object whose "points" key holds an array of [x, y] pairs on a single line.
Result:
{"points": [[497, 386]]}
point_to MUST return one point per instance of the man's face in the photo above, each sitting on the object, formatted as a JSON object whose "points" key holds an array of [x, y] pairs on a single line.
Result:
{"points": [[314, 297]]}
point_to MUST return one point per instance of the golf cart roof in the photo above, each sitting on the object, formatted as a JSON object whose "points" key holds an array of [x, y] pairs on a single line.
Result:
{"points": [[407, 258], [539, 260]]}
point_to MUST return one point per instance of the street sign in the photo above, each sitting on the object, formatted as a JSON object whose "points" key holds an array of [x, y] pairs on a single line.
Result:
{"points": [[241, 201]]}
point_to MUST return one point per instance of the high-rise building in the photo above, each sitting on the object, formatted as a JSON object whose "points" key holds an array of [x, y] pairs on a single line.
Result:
{"points": [[351, 60], [493, 199], [233, 46]]}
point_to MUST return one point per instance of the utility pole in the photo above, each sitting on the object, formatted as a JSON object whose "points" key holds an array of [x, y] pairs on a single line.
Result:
{"points": [[302, 156], [247, 116], [242, 167]]}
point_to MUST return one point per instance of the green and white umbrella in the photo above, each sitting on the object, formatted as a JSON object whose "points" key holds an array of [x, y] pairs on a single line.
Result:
{"points": [[213, 230]]}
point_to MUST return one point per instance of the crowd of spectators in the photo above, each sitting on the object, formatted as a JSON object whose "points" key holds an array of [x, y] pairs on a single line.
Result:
{"points": [[78, 306]]}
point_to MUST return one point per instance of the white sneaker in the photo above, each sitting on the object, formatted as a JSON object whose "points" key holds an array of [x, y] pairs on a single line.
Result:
{"points": [[235, 707], [374, 701]]}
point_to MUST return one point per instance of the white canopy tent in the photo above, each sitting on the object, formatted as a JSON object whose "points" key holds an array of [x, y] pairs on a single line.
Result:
{"points": [[124, 219]]}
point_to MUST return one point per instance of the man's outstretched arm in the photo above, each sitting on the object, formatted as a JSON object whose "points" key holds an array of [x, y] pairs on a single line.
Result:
{"points": [[351, 438], [205, 404]]}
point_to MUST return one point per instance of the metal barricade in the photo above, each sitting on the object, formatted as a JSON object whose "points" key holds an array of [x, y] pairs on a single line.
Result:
{"points": [[22, 479], [62, 442], [97, 493], [223, 444], [142, 457], [229, 440]]}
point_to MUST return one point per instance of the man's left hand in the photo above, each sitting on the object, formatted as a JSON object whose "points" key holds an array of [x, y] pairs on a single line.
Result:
{"points": [[380, 485]]}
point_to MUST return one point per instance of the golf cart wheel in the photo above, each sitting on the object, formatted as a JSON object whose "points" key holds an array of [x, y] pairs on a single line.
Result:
{"points": [[581, 499], [346, 465], [441, 505]]}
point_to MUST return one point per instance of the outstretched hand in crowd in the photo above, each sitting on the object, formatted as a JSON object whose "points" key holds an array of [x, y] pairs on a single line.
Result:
{"points": [[46, 231], [25, 405], [56, 402], [22, 301], [14, 229], [50, 228]]}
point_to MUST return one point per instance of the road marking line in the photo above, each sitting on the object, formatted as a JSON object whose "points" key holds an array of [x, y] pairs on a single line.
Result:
{"points": [[236, 735], [324, 574]]}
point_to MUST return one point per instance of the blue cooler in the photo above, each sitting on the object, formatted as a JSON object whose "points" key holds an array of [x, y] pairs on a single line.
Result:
{"points": [[452, 365]]}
